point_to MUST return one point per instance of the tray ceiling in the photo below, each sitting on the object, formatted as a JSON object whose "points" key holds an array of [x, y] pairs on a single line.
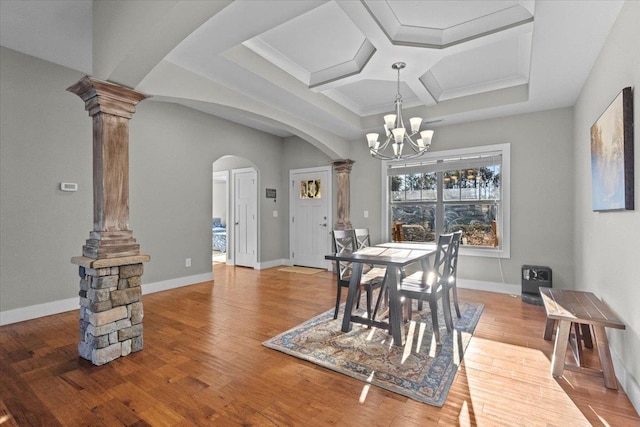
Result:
{"points": [[322, 69]]}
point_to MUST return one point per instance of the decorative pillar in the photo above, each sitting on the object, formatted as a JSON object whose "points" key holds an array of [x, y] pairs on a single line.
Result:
{"points": [[111, 266], [343, 171]]}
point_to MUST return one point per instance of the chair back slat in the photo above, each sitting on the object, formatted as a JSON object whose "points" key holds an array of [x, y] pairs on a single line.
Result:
{"points": [[455, 248], [441, 267], [344, 241], [362, 237]]}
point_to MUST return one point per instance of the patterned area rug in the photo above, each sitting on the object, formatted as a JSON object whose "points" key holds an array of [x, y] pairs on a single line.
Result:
{"points": [[419, 370], [301, 270]]}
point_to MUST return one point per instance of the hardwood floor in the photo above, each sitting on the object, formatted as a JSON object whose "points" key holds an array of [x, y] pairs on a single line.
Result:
{"points": [[203, 364]]}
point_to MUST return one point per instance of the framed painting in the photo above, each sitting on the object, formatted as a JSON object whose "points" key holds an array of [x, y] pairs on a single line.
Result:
{"points": [[612, 156]]}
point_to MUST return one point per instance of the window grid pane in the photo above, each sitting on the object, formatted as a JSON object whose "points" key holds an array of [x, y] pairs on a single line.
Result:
{"points": [[429, 203]]}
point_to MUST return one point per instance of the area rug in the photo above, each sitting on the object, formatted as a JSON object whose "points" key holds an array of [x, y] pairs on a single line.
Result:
{"points": [[301, 270], [419, 369]]}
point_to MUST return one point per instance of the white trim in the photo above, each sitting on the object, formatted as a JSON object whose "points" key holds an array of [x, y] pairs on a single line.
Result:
{"points": [[479, 285], [627, 382], [165, 285], [55, 307], [39, 310], [272, 263]]}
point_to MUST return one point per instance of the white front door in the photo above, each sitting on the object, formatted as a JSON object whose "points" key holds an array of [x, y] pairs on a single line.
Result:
{"points": [[310, 219], [245, 224]]}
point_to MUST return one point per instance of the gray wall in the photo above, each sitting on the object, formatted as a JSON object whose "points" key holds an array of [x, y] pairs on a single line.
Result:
{"points": [[172, 152], [46, 138], [606, 246], [541, 191]]}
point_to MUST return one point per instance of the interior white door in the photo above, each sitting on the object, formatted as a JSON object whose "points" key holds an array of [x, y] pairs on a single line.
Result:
{"points": [[310, 224], [245, 218]]}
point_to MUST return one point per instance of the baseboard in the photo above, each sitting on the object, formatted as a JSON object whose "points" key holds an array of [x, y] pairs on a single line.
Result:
{"points": [[165, 285], [479, 285], [54, 307], [273, 263], [39, 310], [627, 382]]}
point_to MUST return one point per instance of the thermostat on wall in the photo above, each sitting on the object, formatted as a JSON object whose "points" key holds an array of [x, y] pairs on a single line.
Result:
{"points": [[68, 186]]}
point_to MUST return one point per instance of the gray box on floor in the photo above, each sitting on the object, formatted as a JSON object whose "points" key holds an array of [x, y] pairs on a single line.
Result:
{"points": [[533, 277]]}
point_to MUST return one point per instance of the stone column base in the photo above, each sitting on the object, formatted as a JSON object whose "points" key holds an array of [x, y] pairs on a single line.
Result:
{"points": [[110, 307]]}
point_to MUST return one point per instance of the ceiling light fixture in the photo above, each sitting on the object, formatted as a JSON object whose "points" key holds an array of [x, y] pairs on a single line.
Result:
{"points": [[397, 134]]}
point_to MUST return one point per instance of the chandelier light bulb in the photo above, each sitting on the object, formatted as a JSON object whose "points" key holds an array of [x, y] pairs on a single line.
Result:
{"points": [[426, 136], [390, 121], [398, 134], [397, 149], [372, 139], [415, 124]]}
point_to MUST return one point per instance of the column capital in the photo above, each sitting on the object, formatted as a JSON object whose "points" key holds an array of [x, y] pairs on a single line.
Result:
{"points": [[343, 165], [105, 97]]}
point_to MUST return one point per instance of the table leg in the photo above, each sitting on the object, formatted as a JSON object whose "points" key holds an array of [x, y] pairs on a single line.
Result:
{"points": [[395, 307], [560, 347], [605, 357], [354, 283]]}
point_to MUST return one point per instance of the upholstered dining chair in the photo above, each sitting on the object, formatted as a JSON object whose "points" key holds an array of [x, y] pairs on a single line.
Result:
{"points": [[429, 285], [451, 282], [345, 241]]}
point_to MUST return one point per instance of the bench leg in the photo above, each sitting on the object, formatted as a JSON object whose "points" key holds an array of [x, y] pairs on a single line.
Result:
{"points": [[602, 343], [560, 347], [548, 329], [586, 335]]}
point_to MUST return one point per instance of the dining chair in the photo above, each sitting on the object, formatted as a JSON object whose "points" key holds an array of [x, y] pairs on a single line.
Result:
{"points": [[451, 282], [363, 241], [430, 285], [345, 241], [362, 237]]}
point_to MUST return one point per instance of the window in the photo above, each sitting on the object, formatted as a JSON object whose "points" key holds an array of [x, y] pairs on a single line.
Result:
{"points": [[446, 191]]}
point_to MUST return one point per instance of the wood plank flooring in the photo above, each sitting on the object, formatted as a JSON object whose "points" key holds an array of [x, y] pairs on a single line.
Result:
{"points": [[203, 364]]}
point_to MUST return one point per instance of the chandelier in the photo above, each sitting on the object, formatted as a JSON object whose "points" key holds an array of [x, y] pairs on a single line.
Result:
{"points": [[397, 135]]}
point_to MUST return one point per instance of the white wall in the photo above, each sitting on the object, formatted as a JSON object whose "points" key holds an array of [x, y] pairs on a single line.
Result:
{"points": [[607, 248]]}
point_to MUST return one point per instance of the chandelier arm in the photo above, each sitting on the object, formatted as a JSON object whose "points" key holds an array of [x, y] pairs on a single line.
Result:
{"points": [[395, 128]]}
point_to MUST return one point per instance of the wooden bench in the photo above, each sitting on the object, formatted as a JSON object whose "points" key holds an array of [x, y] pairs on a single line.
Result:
{"points": [[584, 310]]}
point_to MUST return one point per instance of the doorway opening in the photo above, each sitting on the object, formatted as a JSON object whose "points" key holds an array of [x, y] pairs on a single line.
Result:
{"points": [[219, 216], [234, 216], [310, 213]]}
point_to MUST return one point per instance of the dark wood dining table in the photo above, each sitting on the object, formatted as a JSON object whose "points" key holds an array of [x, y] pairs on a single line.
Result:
{"points": [[394, 259]]}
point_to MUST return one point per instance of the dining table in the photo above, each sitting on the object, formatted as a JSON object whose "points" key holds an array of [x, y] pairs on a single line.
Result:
{"points": [[394, 259]]}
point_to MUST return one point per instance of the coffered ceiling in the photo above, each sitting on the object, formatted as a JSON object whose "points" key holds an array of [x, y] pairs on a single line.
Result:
{"points": [[322, 69]]}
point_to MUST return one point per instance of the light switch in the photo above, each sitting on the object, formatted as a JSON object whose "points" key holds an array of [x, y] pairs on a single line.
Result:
{"points": [[366, 214], [275, 214]]}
